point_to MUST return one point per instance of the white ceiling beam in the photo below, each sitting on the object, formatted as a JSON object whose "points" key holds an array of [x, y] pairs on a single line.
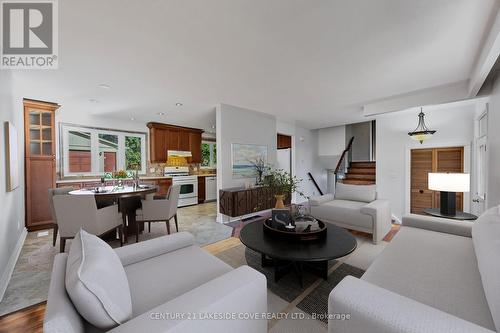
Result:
{"points": [[487, 58], [438, 95]]}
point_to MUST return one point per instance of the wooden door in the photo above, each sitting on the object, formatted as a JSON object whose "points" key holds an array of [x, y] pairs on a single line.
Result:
{"points": [[421, 164], [424, 161]]}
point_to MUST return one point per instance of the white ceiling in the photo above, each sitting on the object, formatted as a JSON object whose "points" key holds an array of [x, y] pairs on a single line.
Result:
{"points": [[314, 62]]}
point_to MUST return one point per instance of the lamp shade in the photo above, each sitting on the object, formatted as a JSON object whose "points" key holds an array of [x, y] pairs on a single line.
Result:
{"points": [[449, 182]]}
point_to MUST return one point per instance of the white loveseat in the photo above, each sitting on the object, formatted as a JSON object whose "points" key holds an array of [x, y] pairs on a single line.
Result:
{"points": [[168, 285], [354, 207], [436, 275]]}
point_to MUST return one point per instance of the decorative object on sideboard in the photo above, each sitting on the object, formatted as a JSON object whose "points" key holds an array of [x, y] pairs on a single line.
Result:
{"points": [[421, 133], [11, 157], [282, 184], [242, 154]]}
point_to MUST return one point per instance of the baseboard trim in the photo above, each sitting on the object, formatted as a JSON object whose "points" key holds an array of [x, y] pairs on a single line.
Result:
{"points": [[11, 264]]}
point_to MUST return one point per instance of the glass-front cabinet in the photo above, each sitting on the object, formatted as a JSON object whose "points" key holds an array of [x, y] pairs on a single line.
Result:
{"points": [[40, 161]]}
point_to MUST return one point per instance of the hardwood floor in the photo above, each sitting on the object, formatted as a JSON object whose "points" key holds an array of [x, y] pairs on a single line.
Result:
{"points": [[30, 319]]}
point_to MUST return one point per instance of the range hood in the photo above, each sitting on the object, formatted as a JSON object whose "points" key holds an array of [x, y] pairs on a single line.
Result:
{"points": [[178, 153]]}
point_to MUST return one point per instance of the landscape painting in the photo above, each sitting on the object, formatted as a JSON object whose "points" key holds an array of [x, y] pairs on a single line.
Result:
{"points": [[12, 156], [242, 157]]}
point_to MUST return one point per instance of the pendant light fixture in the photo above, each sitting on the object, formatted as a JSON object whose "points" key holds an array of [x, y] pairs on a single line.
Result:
{"points": [[421, 133]]}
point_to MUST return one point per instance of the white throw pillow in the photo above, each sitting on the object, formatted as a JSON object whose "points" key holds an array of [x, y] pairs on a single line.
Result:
{"points": [[486, 240], [362, 193], [96, 282]]}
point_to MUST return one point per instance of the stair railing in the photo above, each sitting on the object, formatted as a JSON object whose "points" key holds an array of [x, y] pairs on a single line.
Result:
{"points": [[344, 162]]}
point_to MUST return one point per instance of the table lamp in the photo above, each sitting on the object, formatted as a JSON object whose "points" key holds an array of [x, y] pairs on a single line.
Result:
{"points": [[448, 184]]}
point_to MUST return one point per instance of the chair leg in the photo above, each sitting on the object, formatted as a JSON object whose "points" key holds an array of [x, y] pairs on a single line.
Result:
{"points": [[149, 226], [120, 234], [176, 224], [137, 232], [54, 234], [62, 244], [168, 227]]}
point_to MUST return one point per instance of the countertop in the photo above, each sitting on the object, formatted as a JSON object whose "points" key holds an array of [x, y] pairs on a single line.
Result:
{"points": [[84, 180]]}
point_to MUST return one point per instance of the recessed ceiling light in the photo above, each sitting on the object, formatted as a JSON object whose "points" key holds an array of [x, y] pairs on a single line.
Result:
{"points": [[104, 86], [132, 118], [178, 104], [161, 113], [93, 100]]}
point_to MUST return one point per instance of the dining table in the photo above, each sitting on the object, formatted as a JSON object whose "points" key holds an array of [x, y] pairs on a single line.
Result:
{"points": [[128, 199]]}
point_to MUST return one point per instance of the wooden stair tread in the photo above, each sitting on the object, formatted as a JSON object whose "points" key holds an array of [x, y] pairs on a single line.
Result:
{"points": [[360, 176], [358, 182], [362, 171]]}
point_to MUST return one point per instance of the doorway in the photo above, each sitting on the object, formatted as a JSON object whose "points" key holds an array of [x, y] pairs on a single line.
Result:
{"points": [[424, 161]]}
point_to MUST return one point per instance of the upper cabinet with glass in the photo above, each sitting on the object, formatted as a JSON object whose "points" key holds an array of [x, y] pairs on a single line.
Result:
{"points": [[39, 125], [94, 151]]}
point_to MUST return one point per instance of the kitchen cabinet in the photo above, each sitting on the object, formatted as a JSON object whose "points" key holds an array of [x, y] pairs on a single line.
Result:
{"points": [[201, 189], [164, 137], [40, 162]]}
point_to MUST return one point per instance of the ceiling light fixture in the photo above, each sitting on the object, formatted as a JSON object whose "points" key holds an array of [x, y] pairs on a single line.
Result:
{"points": [[161, 113], [421, 133], [132, 118], [178, 104], [104, 86]]}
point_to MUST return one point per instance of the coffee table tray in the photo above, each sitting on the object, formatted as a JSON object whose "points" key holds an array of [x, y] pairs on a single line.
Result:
{"points": [[276, 230]]}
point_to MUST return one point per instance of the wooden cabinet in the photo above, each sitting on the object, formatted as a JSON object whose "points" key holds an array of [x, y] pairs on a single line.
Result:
{"points": [[40, 161], [165, 137], [163, 186], [201, 189], [239, 201], [284, 141]]}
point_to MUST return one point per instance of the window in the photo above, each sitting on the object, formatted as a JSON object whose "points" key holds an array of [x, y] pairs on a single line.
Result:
{"points": [[208, 154], [93, 151]]}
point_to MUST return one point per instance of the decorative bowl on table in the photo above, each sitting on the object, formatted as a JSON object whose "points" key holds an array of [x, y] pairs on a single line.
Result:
{"points": [[301, 229]]}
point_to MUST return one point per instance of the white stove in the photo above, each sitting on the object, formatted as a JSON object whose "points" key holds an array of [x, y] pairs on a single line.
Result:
{"points": [[189, 184]]}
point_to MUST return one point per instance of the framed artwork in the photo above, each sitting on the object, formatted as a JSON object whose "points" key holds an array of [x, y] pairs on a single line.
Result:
{"points": [[243, 155], [12, 156]]}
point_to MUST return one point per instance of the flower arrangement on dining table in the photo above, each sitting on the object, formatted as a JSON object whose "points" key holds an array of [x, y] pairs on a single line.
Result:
{"points": [[119, 176]]}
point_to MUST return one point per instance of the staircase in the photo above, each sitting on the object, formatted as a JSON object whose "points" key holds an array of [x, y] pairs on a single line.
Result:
{"points": [[360, 173]]}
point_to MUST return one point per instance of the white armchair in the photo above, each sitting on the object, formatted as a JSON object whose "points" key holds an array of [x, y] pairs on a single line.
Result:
{"points": [[159, 210], [80, 211]]}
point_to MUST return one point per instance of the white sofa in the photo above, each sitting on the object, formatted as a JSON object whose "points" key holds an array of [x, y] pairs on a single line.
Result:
{"points": [[436, 275], [167, 277], [354, 207]]}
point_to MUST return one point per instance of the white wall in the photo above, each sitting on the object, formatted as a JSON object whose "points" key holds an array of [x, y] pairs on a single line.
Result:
{"points": [[239, 125], [12, 231], [331, 141], [362, 140], [493, 146], [455, 127]]}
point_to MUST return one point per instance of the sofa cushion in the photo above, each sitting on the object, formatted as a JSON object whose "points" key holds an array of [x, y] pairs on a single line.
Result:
{"points": [[437, 269], [96, 282], [320, 199], [344, 211], [171, 275], [486, 239], [363, 193]]}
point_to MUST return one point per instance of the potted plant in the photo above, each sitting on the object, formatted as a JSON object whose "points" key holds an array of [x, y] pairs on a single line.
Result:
{"points": [[282, 184], [120, 176]]}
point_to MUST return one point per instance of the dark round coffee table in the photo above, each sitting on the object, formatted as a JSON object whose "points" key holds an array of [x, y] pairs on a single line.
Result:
{"points": [[288, 256]]}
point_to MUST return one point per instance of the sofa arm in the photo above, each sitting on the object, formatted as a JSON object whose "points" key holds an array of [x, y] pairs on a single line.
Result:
{"points": [[380, 211], [216, 306], [448, 226], [377, 310], [317, 200], [134, 253]]}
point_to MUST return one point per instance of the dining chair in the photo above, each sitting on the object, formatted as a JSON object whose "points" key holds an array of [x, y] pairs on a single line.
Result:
{"points": [[52, 193], [80, 211], [162, 210]]}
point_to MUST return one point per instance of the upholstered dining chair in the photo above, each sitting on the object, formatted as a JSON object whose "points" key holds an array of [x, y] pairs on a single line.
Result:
{"points": [[162, 210], [52, 193], [80, 211]]}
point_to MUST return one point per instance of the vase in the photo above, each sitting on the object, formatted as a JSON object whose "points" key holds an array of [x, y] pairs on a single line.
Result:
{"points": [[279, 201], [120, 183]]}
